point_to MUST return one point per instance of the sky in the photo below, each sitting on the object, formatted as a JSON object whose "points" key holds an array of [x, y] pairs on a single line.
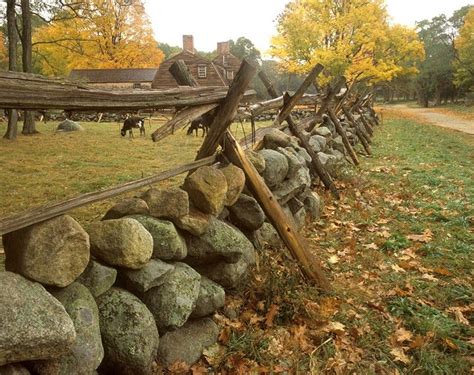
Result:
{"points": [[212, 21]]}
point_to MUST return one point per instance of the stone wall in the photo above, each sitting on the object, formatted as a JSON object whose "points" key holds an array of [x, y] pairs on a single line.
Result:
{"points": [[139, 288]]}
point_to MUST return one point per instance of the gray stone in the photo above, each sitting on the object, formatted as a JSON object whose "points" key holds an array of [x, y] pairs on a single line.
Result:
{"points": [[69, 126], [211, 298], [302, 154], [167, 242], [187, 343], [340, 157], [196, 222], [207, 189], [338, 144], [129, 333], [54, 252], [152, 275], [276, 138], [276, 167], [318, 143], [221, 242], [170, 203], [269, 235], [87, 352], [235, 178], [98, 278], [322, 131], [300, 218], [131, 206], [230, 275], [314, 205], [34, 325], [173, 302], [294, 163], [289, 189], [121, 242], [257, 160], [246, 213], [14, 369]]}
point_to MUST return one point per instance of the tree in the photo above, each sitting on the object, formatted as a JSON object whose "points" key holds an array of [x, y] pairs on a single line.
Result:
{"points": [[97, 34], [464, 43], [243, 48], [12, 127], [169, 50], [350, 37], [3, 52]]}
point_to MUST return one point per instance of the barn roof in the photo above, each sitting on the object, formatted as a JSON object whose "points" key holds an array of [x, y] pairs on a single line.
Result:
{"points": [[113, 75]]}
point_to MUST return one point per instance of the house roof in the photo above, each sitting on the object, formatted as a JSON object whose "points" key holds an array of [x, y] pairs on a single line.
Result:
{"points": [[113, 75]]}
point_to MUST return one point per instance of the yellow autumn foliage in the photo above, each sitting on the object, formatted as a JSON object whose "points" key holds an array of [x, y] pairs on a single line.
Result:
{"points": [[107, 34], [3, 52], [464, 43], [349, 37]]}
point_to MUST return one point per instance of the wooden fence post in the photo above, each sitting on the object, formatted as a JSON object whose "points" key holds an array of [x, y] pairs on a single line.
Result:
{"points": [[343, 135], [359, 132]]}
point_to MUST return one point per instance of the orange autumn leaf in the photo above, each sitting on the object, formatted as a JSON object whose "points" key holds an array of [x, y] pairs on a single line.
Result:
{"points": [[272, 312]]}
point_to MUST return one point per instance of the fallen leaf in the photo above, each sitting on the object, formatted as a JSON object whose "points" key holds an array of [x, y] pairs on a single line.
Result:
{"points": [[426, 237], [427, 276], [333, 259], [179, 367], [450, 344], [336, 328], [442, 271], [459, 315], [372, 246], [418, 342], [272, 312], [403, 335], [397, 268], [400, 355]]}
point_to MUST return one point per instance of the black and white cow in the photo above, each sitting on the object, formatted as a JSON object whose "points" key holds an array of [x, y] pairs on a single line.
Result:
{"points": [[133, 122]]}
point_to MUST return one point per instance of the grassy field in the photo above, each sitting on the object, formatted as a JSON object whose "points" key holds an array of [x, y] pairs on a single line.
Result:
{"points": [[398, 248], [52, 166]]}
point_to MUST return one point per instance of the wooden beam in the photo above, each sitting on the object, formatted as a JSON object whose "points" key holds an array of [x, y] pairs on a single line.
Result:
{"points": [[343, 135], [316, 167], [368, 127], [308, 263], [181, 74], [290, 104], [37, 215], [226, 111], [359, 133], [180, 120]]}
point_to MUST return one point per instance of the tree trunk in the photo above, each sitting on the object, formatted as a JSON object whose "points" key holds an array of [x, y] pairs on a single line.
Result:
{"points": [[29, 120], [12, 127]]}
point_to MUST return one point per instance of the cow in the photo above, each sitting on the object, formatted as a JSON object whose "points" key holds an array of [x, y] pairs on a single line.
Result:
{"points": [[133, 122], [202, 122]]}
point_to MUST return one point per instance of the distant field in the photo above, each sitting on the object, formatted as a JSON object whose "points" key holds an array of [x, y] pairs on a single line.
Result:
{"points": [[52, 166]]}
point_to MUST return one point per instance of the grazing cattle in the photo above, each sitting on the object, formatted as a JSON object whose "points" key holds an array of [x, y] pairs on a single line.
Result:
{"points": [[202, 122], [133, 122]]}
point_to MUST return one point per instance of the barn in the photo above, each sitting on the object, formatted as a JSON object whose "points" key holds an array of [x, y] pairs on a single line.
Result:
{"points": [[115, 78]]}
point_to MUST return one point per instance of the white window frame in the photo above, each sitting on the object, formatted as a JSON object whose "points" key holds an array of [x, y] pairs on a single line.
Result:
{"points": [[229, 74], [202, 71]]}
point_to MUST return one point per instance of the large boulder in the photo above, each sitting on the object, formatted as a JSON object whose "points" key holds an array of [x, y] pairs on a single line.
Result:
{"points": [[269, 235], [121, 242], [221, 242], [230, 275], [152, 275], [54, 252], [257, 160], [167, 242], [129, 333], [69, 126], [294, 162], [291, 188], [131, 206], [98, 278], [173, 302], [196, 222], [330, 162], [246, 213], [34, 325], [276, 138], [170, 203], [322, 131], [313, 205], [211, 298], [187, 343], [276, 167], [207, 189], [338, 144], [318, 143], [235, 178], [87, 352]]}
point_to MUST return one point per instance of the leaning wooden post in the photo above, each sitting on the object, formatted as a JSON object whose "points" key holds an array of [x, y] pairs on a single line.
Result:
{"points": [[343, 135], [359, 132], [368, 127], [181, 74], [316, 167], [308, 263]]}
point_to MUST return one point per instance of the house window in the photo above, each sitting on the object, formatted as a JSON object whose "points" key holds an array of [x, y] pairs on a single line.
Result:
{"points": [[230, 74], [202, 71], [137, 85]]}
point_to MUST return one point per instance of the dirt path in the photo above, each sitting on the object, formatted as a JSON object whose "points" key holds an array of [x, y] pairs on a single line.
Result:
{"points": [[435, 117]]}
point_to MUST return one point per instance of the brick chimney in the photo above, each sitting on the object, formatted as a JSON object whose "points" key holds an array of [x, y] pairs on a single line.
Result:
{"points": [[188, 43], [223, 48]]}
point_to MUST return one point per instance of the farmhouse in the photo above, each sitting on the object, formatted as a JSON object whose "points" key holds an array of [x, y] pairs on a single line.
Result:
{"points": [[219, 72], [115, 78]]}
